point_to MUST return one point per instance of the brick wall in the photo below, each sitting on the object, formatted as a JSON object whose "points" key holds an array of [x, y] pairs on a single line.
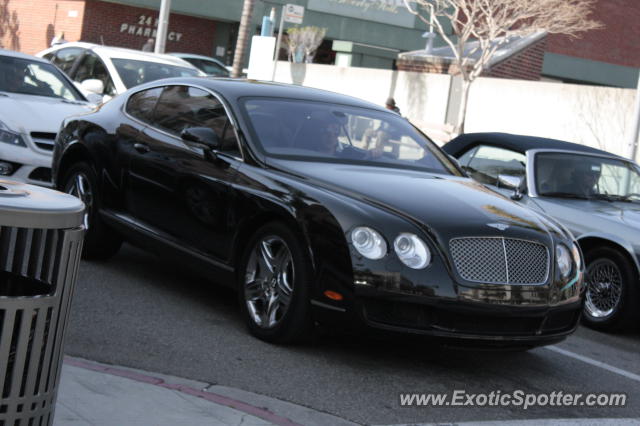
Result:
{"points": [[127, 26], [29, 25], [525, 65], [617, 43]]}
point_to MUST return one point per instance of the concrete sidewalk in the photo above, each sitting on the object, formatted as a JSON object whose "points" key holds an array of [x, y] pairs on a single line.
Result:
{"points": [[97, 394]]}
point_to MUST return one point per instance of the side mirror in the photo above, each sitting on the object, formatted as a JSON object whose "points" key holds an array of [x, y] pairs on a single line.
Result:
{"points": [[201, 137], [512, 182], [92, 85]]}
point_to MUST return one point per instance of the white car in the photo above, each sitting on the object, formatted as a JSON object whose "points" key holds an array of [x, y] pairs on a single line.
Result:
{"points": [[35, 97], [109, 71]]}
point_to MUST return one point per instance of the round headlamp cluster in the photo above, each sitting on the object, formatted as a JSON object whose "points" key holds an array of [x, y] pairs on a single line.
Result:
{"points": [[369, 243], [412, 251], [564, 260], [409, 248]]}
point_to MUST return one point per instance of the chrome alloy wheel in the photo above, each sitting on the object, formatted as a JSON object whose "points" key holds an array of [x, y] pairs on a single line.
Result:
{"points": [[80, 187], [604, 288], [268, 282]]}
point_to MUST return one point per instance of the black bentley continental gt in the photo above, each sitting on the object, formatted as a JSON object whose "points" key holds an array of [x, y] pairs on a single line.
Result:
{"points": [[318, 208]]}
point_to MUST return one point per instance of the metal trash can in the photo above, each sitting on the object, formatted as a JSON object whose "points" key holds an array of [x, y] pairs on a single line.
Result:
{"points": [[41, 234]]}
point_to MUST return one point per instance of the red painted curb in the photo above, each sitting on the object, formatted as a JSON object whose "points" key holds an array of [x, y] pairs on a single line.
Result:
{"points": [[209, 396]]}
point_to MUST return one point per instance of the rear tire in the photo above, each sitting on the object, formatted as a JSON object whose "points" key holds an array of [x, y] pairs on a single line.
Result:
{"points": [[612, 297], [273, 283], [100, 242]]}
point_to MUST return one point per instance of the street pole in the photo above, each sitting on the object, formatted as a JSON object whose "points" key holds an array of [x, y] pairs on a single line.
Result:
{"points": [[243, 37], [276, 54], [635, 127], [163, 25]]}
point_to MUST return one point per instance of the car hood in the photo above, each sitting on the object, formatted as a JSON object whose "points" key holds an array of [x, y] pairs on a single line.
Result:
{"points": [[26, 113], [587, 216], [448, 206]]}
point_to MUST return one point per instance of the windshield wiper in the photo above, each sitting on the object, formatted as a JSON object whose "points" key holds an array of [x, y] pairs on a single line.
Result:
{"points": [[566, 195]]}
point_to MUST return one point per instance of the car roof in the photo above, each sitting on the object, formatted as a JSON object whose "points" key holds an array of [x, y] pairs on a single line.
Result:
{"points": [[14, 54], [518, 143], [233, 89], [124, 53]]}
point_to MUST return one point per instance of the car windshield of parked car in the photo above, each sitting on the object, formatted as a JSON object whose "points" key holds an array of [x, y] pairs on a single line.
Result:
{"points": [[587, 176], [36, 78], [306, 130], [133, 72]]}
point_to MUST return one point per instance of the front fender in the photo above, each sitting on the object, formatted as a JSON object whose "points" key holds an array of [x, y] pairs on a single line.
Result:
{"points": [[616, 240]]}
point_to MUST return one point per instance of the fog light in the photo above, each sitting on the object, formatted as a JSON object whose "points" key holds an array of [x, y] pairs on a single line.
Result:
{"points": [[5, 168]]}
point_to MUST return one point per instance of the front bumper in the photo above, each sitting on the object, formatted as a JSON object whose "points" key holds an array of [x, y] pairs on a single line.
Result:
{"points": [[28, 166], [471, 321], [474, 324]]}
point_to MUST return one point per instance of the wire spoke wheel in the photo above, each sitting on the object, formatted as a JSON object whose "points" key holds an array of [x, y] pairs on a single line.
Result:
{"points": [[268, 281], [604, 288], [79, 186]]}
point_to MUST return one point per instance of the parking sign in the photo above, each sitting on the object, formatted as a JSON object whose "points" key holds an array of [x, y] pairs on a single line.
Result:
{"points": [[293, 13]]}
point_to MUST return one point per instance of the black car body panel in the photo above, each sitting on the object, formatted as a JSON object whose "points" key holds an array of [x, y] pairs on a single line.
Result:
{"points": [[200, 209]]}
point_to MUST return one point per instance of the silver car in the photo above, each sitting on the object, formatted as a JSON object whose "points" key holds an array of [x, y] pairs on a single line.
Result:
{"points": [[596, 195]]}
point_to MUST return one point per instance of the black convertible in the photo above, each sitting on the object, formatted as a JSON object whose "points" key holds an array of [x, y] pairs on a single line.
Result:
{"points": [[320, 208]]}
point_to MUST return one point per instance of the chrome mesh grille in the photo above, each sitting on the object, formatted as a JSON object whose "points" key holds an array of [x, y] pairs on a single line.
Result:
{"points": [[497, 260]]}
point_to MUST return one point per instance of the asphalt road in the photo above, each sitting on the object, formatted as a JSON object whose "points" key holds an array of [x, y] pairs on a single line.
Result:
{"points": [[140, 311]]}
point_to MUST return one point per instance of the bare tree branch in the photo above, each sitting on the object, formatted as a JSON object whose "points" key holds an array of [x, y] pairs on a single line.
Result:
{"points": [[492, 23]]}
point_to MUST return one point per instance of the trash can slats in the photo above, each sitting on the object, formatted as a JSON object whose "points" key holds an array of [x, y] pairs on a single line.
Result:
{"points": [[40, 252]]}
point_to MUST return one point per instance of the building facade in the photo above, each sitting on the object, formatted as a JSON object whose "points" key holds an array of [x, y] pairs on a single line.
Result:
{"points": [[375, 30], [366, 33]]}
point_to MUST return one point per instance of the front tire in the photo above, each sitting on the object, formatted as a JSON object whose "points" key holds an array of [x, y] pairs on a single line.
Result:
{"points": [[274, 279], [612, 295], [100, 242]]}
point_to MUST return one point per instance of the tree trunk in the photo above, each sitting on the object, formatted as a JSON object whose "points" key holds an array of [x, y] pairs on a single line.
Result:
{"points": [[243, 37], [462, 111]]}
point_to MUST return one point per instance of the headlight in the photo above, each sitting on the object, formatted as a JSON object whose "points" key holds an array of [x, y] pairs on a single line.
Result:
{"points": [[575, 251], [369, 243], [563, 260], [12, 138], [412, 251]]}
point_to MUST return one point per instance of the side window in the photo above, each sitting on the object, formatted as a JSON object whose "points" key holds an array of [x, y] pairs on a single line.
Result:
{"points": [[489, 162], [467, 156], [65, 58], [141, 105], [181, 107], [93, 67]]}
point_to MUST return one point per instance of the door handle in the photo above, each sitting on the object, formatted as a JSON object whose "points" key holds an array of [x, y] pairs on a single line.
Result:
{"points": [[142, 148]]}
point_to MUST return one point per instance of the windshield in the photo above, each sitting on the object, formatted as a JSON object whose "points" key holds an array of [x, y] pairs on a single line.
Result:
{"points": [[27, 77], [305, 130], [586, 176], [134, 72]]}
